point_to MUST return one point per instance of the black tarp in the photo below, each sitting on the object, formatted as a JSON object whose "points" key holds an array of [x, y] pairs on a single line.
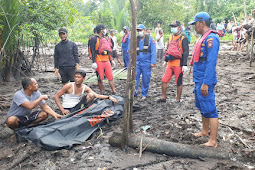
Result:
{"points": [[75, 128]]}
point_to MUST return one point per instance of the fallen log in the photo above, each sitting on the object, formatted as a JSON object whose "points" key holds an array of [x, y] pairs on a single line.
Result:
{"points": [[169, 148]]}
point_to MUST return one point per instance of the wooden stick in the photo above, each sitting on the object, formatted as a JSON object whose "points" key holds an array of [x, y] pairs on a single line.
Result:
{"points": [[141, 148]]}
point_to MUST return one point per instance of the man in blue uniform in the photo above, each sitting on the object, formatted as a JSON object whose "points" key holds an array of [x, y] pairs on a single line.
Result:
{"points": [[125, 41], [204, 76], [146, 59], [125, 45]]}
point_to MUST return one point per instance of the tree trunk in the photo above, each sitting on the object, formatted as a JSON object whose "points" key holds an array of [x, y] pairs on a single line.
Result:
{"points": [[130, 83], [1, 66], [169, 148], [8, 69]]}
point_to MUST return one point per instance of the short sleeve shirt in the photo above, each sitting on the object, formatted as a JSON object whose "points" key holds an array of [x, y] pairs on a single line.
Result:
{"points": [[20, 97], [160, 43]]}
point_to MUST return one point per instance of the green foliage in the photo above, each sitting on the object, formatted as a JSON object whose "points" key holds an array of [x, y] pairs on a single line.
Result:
{"points": [[102, 17], [227, 37], [11, 14]]}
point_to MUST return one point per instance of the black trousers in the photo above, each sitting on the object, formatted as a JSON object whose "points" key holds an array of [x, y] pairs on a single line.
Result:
{"points": [[67, 74]]}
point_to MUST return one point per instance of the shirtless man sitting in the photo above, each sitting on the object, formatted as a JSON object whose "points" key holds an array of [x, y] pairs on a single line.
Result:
{"points": [[74, 91], [24, 100]]}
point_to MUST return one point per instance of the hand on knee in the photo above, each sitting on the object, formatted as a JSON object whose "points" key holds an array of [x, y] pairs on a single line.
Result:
{"points": [[90, 97], [12, 122]]}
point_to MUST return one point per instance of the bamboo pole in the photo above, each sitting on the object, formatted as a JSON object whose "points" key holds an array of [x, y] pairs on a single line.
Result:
{"points": [[130, 83]]}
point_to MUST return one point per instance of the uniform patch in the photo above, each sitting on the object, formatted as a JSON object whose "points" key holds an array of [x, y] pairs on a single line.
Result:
{"points": [[201, 54], [210, 44], [209, 39], [203, 44]]}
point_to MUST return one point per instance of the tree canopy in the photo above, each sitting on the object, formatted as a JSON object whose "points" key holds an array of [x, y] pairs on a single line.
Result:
{"points": [[40, 19]]}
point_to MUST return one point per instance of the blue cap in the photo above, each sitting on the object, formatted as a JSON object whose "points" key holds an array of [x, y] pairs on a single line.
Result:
{"points": [[140, 27], [125, 28], [201, 16]]}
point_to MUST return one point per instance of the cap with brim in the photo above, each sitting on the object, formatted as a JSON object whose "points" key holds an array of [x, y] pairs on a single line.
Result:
{"points": [[175, 24], [125, 28], [140, 27], [201, 16], [100, 27], [62, 30]]}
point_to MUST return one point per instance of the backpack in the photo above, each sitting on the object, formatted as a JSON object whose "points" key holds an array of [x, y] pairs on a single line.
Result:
{"points": [[104, 46], [174, 48], [146, 45]]}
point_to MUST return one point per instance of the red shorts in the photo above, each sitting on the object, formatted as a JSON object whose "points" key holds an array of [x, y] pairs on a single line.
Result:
{"points": [[173, 70], [104, 67]]}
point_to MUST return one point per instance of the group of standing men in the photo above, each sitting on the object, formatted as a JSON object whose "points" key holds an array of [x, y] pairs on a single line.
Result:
{"points": [[101, 47]]}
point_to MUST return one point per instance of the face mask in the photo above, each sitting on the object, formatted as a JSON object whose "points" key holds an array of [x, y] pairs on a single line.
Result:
{"points": [[140, 34], [104, 32], [174, 30]]}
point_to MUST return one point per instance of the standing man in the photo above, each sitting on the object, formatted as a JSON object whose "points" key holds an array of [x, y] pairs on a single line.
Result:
{"points": [[66, 57], [115, 47], [102, 60], [204, 60], [160, 46], [157, 29], [89, 51], [125, 45], [24, 101], [146, 59], [176, 56]]}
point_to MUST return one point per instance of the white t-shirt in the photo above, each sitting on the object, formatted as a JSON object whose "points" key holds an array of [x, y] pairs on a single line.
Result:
{"points": [[157, 30], [160, 43], [114, 39]]}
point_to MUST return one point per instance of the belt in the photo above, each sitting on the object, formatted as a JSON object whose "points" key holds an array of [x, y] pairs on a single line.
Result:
{"points": [[201, 59]]}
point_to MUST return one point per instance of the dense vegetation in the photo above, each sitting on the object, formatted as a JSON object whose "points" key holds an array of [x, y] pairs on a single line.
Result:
{"points": [[31, 22]]}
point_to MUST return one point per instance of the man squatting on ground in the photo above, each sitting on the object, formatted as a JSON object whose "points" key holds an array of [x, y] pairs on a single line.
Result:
{"points": [[102, 61], [145, 60], [24, 101], [66, 57], [204, 60], [176, 56], [73, 93]]}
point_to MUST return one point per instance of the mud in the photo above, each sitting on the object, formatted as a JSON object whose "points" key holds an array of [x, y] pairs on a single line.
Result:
{"points": [[170, 121]]}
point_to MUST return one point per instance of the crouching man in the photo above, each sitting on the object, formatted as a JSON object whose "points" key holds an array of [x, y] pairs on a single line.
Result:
{"points": [[74, 92], [24, 101]]}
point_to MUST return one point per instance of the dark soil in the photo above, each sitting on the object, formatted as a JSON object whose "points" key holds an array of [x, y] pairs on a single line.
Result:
{"points": [[170, 121]]}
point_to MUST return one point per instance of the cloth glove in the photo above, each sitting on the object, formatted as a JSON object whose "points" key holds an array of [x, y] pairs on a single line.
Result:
{"points": [[113, 63], [185, 69], [94, 66]]}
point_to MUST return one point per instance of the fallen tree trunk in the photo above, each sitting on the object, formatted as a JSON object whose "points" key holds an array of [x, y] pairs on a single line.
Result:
{"points": [[169, 148]]}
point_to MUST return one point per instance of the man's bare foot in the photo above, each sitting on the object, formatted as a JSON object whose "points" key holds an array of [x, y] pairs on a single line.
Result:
{"points": [[210, 144], [200, 134]]}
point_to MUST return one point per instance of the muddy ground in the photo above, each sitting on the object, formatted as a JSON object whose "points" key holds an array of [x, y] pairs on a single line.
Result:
{"points": [[235, 98]]}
